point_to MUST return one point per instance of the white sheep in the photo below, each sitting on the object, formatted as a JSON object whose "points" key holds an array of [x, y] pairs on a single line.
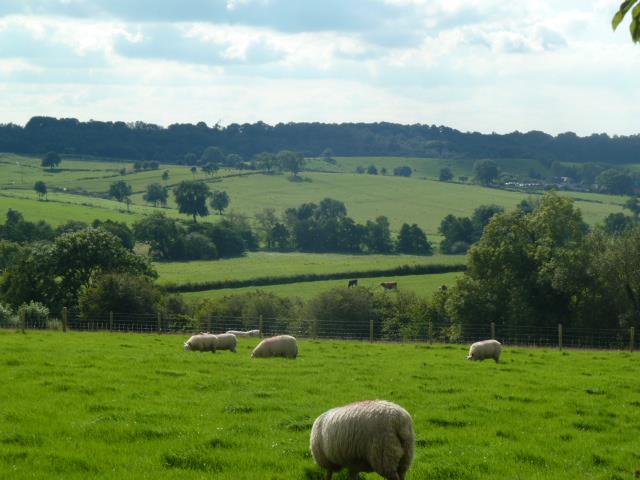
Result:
{"points": [[280, 346], [248, 333], [369, 436], [202, 342], [206, 342], [485, 349]]}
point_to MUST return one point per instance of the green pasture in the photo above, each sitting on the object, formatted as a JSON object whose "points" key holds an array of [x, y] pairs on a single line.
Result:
{"points": [[411, 200], [422, 285], [114, 406], [272, 264]]}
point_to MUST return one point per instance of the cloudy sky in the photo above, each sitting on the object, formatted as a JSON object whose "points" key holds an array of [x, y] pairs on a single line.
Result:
{"points": [[481, 65]]}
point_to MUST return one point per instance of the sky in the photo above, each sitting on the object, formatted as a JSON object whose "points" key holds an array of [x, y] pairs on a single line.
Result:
{"points": [[474, 65]]}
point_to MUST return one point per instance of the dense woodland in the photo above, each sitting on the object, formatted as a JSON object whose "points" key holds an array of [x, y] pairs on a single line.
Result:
{"points": [[171, 144]]}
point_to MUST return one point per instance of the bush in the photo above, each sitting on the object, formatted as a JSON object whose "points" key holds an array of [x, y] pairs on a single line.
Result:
{"points": [[7, 317], [198, 247], [35, 314], [459, 248]]}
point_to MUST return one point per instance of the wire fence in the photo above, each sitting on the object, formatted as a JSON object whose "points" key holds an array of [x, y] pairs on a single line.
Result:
{"points": [[373, 330]]}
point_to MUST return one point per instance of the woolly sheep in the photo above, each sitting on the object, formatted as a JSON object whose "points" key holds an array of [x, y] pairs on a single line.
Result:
{"points": [[202, 342], [248, 333], [206, 342], [369, 436], [485, 349], [281, 346]]}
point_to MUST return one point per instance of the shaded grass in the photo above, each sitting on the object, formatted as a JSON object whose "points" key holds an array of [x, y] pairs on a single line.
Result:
{"points": [[86, 405]]}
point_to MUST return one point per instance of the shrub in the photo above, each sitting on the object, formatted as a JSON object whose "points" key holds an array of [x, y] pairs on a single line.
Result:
{"points": [[198, 247], [7, 317], [35, 314]]}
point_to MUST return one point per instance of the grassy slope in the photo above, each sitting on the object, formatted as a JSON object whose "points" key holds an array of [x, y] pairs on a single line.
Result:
{"points": [[112, 406], [422, 285], [262, 264], [410, 200]]}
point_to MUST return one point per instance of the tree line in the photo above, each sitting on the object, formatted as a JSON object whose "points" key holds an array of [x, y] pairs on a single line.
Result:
{"points": [[175, 143]]}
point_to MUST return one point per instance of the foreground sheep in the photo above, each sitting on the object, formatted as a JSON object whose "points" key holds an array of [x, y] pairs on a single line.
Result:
{"points": [[206, 342], [248, 333], [485, 349], [281, 346], [370, 436]]}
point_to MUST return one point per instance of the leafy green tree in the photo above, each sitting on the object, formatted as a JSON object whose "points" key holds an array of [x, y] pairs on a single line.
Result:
{"points": [[135, 295], [403, 171], [219, 200], [481, 217], [634, 27], [266, 220], [617, 223], [327, 156], [8, 252], [209, 168], [360, 169], [17, 229], [290, 161], [190, 159], [70, 227], [615, 181], [213, 155], [412, 240], [165, 175], [163, 234], [137, 166], [50, 160], [156, 193], [41, 189], [233, 160], [372, 170], [119, 229], [121, 191], [458, 234], [633, 204], [191, 198], [486, 171], [194, 170], [378, 236], [197, 246], [445, 174]]}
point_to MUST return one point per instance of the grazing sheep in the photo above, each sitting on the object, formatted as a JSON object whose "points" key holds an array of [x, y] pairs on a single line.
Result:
{"points": [[226, 341], [281, 346], [206, 342], [485, 349], [202, 342], [370, 436], [248, 333]]}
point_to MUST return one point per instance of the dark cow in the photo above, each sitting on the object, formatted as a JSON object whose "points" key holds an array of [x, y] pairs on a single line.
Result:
{"points": [[389, 285], [353, 283]]}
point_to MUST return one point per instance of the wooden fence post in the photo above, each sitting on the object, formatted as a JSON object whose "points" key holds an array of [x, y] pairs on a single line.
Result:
{"points": [[260, 326], [430, 332], [560, 336], [493, 330], [111, 321], [65, 314], [371, 330], [632, 338], [314, 329], [23, 321], [159, 322]]}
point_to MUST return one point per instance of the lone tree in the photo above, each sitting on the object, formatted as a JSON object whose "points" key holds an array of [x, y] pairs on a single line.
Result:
{"points": [[191, 197], [41, 189], [165, 175], [156, 193], [51, 159], [121, 191], [291, 161], [634, 28], [486, 171], [445, 174], [219, 200]]}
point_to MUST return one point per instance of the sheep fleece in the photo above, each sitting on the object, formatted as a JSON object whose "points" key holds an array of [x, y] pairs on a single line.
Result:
{"points": [[369, 436], [280, 346], [203, 342], [485, 349], [226, 341]]}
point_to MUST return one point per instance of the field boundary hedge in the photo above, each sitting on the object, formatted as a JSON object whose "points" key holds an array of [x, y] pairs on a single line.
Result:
{"points": [[402, 270]]}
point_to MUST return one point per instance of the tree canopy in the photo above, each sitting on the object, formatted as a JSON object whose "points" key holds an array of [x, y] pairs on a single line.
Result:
{"points": [[634, 27], [191, 197], [50, 160]]}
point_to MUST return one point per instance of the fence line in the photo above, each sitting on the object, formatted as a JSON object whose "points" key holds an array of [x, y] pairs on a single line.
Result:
{"points": [[368, 329]]}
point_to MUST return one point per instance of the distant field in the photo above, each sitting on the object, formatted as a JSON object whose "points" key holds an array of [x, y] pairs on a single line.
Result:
{"points": [[422, 285], [114, 406], [411, 200], [262, 264]]}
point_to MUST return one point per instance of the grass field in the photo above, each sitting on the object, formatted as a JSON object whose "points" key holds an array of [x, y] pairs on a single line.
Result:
{"points": [[422, 285], [263, 264], [412, 200], [113, 406]]}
